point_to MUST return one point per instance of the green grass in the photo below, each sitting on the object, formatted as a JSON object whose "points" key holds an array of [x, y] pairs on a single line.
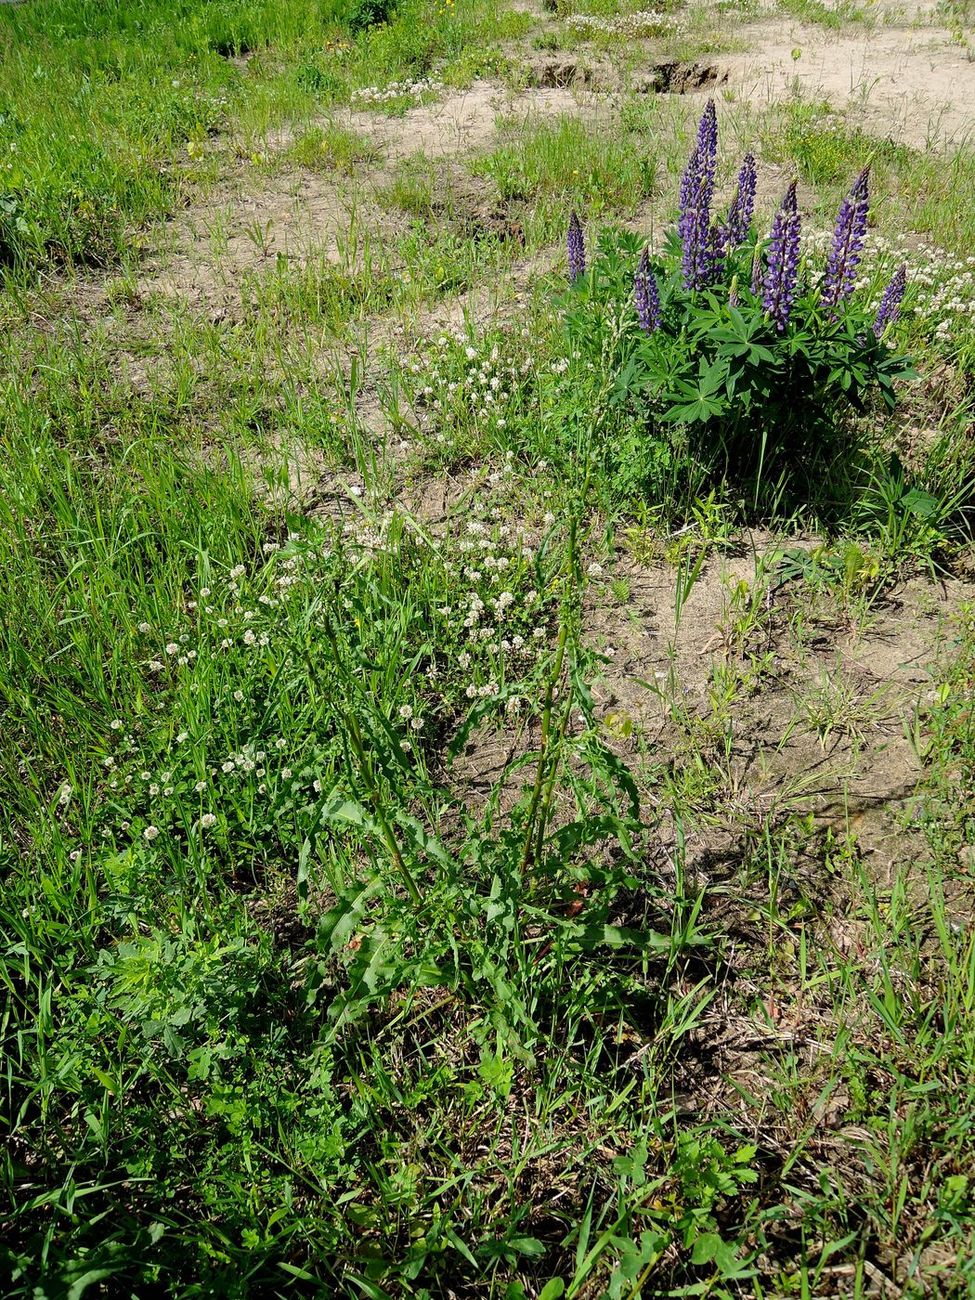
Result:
{"points": [[921, 189], [543, 167], [503, 897], [834, 16], [331, 148], [139, 91]]}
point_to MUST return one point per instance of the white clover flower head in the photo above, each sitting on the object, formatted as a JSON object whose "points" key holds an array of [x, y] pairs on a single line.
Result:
{"points": [[116, 724], [208, 820], [150, 833]]}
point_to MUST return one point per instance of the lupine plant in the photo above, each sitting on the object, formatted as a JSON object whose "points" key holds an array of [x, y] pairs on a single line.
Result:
{"points": [[743, 348]]}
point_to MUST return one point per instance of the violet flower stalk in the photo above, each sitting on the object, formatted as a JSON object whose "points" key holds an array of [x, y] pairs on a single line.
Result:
{"points": [[701, 249], [707, 143], [577, 248], [647, 295], [735, 229], [890, 303], [847, 247], [782, 269]]}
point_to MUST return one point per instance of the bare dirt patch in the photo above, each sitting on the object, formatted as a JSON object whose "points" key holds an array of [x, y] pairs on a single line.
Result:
{"points": [[819, 723], [673, 78], [243, 227], [460, 124], [910, 83], [255, 217]]}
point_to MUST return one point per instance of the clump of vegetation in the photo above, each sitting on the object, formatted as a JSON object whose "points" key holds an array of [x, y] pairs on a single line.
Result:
{"points": [[752, 347], [367, 13]]}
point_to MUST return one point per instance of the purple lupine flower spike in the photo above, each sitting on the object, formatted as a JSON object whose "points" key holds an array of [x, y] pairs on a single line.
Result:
{"points": [[647, 295], [707, 144], [577, 248], [688, 196], [701, 243], [742, 205], [847, 247], [890, 303], [689, 220], [781, 273]]}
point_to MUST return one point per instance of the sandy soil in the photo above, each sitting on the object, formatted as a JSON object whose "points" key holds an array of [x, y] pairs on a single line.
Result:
{"points": [[912, 83]]}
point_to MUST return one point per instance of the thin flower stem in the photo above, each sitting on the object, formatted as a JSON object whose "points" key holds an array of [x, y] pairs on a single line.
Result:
{"points": [[365, 769], [530, 845], [535, 826]]}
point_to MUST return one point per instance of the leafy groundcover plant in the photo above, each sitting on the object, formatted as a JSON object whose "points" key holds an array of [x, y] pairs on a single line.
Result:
{"points": [[749, 346]]}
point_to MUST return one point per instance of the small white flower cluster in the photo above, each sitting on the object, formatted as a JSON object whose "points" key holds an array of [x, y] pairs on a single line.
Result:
{"points": [[648, 22], [490, 634], [502, 631], [942, 288], [395, 90], [460, 380]]}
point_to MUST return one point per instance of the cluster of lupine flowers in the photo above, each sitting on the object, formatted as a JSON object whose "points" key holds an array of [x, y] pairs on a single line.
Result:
{"points": [[708, 244]]}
